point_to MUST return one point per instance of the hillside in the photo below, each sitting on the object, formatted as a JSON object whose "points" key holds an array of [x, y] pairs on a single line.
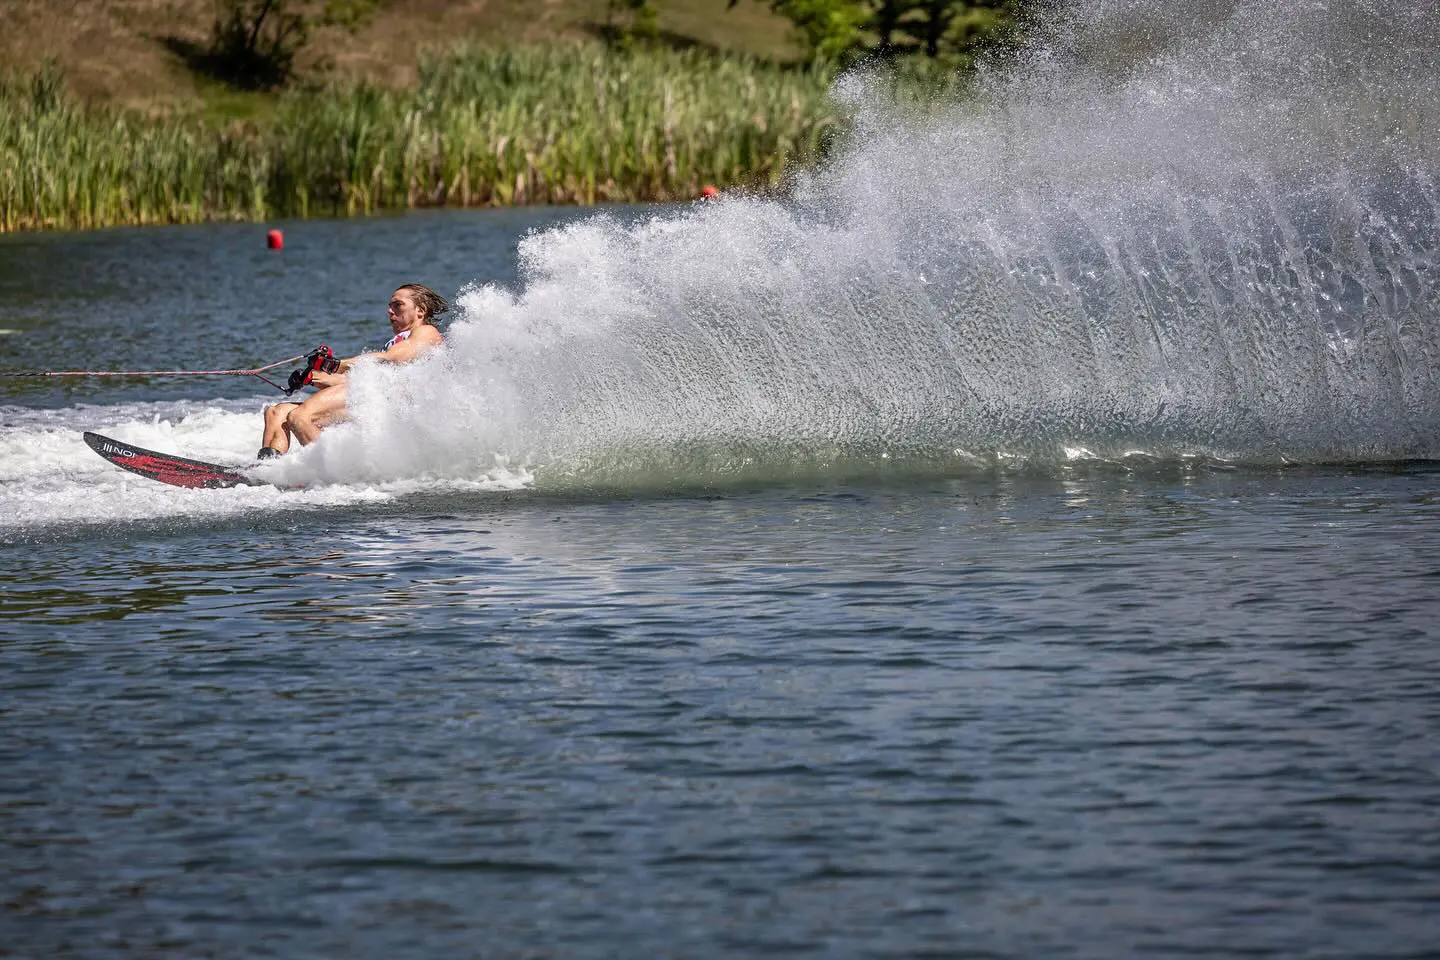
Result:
{"points": [[127, 51]]}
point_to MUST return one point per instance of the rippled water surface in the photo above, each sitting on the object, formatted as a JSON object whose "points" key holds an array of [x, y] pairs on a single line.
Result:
{"points": [[1092, 715], [768, 669]]}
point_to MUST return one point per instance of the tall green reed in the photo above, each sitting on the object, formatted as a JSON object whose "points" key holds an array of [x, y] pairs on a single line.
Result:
{"points": [[553, 125], [63, 165], [559, 124]]}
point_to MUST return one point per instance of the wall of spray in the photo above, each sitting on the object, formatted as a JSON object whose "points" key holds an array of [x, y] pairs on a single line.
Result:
{"points": [[1178, 229]]}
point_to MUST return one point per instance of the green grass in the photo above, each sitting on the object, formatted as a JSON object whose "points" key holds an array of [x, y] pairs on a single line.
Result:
{"points": [[557, 124], [221, 106]]}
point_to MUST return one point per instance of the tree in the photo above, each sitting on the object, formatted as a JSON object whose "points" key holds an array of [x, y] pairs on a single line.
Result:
{"points": [[253, 43], [829, 28], [885, 20], [641, 21], [959, 30], [953, 30]]}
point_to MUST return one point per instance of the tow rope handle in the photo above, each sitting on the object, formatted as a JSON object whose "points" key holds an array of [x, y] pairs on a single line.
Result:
{"points": [[321, 359]]}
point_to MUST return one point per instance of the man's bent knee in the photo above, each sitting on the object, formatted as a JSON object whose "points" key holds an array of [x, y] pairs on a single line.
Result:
{"points": [[303, 425]]}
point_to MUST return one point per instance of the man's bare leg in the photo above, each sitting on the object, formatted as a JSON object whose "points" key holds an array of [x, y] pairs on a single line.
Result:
{"points": [[307, 420], [277, 434]]}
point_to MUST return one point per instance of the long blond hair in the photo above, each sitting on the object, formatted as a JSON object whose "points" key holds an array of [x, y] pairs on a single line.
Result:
{"points": [[426, 299]]}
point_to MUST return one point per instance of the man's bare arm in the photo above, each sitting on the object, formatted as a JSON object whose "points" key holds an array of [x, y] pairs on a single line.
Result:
{"points": [[421, 340]]}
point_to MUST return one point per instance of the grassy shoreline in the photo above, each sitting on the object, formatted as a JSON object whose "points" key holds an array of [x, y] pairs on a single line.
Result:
{"points": [[575, 124]]}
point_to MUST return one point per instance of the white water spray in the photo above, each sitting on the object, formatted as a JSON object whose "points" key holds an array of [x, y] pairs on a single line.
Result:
{"points": [[1189, 230]]}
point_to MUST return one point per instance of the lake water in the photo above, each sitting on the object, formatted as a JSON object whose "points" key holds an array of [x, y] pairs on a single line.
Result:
{"points": [[1020, 540], [1145, 707]]}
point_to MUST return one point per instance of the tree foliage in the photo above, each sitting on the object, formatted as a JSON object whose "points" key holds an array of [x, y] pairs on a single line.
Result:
{"points": [[631, 20], [253, 43], [954, 31]]}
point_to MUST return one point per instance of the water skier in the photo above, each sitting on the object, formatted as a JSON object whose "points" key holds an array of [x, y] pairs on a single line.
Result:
{"points": [[412, 310]]}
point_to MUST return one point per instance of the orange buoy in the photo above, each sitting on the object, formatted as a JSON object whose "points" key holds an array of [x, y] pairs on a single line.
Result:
{"points": [[709, 191], [275, 240]]}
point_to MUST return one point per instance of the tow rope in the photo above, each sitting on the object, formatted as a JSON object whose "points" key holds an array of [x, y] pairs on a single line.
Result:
{"points": [[257, 373]]}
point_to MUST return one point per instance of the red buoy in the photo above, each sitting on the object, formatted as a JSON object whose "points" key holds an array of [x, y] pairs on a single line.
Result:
{"points": [[708, 191], [275, 240]]}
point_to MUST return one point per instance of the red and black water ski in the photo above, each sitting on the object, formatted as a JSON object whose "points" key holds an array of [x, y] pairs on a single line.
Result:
{"points": [[176, 471]]}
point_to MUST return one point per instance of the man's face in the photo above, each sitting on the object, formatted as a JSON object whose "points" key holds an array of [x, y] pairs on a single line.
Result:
{"points": [[403, 312]]}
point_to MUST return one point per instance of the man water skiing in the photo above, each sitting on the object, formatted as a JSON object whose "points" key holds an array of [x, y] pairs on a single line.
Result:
{"points": [[412, 310]]}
